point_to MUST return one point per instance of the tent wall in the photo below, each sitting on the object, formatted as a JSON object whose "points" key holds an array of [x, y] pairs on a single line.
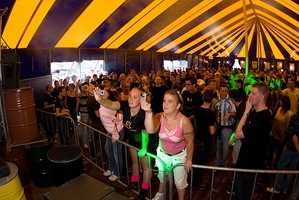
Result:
{"points": [[35, 67], [36, 63]]}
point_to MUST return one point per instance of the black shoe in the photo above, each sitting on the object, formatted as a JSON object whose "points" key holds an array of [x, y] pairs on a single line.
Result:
{"points": [[142, 194], [132, 185], [199, 187]]}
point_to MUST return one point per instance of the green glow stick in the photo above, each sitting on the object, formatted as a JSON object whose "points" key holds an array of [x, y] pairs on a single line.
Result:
{"points": [[232, 137]]}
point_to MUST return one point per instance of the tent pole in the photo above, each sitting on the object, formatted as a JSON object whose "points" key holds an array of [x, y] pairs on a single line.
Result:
{"points": [[246, 38]]}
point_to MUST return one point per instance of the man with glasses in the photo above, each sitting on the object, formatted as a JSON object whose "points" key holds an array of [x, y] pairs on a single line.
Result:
{"points": [[192, 97]]}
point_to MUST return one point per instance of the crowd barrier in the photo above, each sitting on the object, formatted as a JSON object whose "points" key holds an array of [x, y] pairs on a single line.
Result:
{"points": [[65, 131]]}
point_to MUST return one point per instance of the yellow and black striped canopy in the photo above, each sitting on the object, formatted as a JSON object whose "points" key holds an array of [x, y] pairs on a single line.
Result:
{"points": [[214, 28]]}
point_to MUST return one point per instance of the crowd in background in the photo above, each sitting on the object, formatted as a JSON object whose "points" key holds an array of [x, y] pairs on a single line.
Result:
{"points": [[213, 101]]}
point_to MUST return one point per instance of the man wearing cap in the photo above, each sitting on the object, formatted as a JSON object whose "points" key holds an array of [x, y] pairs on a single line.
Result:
{"points": [[200, 85], [110, 84]]}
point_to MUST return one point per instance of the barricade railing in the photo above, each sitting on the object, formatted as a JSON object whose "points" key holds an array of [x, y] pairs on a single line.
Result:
{"points": [[256, 172], [101, 165], [62, 129], [96, 155]]}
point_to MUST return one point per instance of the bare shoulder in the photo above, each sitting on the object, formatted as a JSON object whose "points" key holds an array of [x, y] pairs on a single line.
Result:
{"points": [[187, 125]]}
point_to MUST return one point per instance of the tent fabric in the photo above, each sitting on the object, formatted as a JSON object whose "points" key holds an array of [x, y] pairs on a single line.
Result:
{"points": [[212, 28]]}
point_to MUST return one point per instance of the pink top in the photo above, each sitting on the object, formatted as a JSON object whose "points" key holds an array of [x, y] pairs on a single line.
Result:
{"points": [[111, 121], [172, 142]]}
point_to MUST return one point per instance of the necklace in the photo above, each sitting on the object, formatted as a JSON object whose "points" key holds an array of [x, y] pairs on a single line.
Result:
{"points": [[129, 122], [133, 118]]}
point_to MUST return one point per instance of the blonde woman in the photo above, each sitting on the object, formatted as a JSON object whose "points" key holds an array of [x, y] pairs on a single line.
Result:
{"points": [[176, 140]]}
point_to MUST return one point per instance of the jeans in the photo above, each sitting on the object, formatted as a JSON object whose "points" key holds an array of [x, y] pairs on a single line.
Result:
{"points": [[277, 148], [83, 129], [115, 155], [222, 143], [290, 159]]}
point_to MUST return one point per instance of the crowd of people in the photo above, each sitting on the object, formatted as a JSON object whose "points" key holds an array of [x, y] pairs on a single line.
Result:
{"points": [[181, 116]]}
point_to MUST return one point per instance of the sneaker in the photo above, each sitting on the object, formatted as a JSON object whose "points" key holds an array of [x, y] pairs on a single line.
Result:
{"points": [[132, 185], [230, 193], [158, 196], [142, 194], [113, 178], [272, 190], [107, 173]]}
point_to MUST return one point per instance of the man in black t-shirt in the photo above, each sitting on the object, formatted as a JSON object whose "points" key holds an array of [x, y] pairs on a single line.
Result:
{"points": [[205, 129], [254, 130], [192, 97], [157, 93]]}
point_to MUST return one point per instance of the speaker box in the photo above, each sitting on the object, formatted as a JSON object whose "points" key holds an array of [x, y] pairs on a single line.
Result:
{"points": [[10, 75]]}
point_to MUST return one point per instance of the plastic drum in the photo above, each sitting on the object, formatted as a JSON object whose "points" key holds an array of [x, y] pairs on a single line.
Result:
{"points": [[10, 186], [40, 166], [66, 163]]}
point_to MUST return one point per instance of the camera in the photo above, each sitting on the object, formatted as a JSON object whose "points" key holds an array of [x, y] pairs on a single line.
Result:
{"points": [[84, 88], [143, 97], [100, 92]]}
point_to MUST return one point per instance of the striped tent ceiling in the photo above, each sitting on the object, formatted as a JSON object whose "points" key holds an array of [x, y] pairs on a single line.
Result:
{"points": [[202, 27]]}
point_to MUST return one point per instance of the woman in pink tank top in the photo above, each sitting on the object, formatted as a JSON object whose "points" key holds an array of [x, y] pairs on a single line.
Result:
{"points": [[176, 140]]}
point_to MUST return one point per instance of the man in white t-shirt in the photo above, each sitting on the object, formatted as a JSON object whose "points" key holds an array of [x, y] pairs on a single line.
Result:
{"points": [[292, 92]]}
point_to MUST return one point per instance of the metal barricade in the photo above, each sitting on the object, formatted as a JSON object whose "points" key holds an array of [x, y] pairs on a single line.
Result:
{"points": [[62, 129], [96, 156]]}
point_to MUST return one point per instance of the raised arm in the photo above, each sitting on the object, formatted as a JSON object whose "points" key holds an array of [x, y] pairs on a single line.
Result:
{"points": [[239, 131], [151, 122], [114, 105]]}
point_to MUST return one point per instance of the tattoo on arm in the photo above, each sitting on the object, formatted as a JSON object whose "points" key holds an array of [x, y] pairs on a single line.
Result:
{"points": [[188, 133]]}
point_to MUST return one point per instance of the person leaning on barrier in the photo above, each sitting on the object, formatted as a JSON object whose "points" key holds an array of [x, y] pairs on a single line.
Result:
{"points": [[176, 140], [113, 124], [254, 130], [133, 119], [60, 112], [48, 99]]}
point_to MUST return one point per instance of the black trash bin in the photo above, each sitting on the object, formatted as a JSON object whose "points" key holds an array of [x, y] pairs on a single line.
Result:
{"points": [[66, 163]]}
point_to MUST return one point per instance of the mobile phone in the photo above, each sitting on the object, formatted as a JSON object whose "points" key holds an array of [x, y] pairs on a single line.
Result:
{"points": [[100, 92], [143, 97]]}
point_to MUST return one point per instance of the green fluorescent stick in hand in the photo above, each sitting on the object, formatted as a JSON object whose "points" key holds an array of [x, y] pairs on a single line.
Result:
{"points": [[232, 137]]}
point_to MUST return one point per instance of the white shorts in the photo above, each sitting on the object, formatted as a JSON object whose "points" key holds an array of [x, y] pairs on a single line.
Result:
{"points": [[179, 172]]}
